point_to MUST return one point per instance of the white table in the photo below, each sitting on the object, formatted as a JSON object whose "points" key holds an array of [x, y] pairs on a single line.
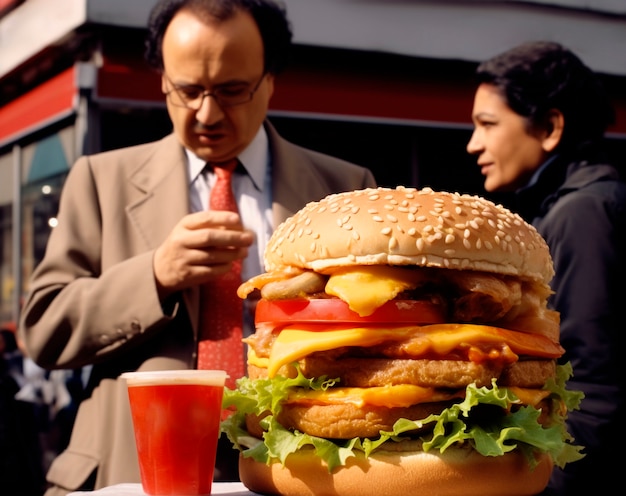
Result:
{"points": [[231, 488]]}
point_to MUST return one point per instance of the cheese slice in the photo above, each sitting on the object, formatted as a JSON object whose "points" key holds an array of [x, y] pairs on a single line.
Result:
{"points": [[366, 288], [398, 396], [293, 343], [529, 396], [256, 360]]}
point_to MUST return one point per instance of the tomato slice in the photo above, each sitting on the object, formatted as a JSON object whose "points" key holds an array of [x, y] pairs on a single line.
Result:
{"points": [[334, 310]]}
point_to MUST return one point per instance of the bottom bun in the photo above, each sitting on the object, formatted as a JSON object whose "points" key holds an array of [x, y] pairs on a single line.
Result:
{"points": [[455, 472]]}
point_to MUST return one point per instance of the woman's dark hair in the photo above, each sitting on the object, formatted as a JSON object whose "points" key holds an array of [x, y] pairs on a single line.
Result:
{"points": [[270, 17], [536, 77]]}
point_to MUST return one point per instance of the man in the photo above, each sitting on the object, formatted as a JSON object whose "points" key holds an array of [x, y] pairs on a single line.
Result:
{"points": [[540, 116], [119, 286]]}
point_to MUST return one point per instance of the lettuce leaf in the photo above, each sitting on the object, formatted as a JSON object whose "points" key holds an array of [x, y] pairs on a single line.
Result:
{"points": [[485, 419]]}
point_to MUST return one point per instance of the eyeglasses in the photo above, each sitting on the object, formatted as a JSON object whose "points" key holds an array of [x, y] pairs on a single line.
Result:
{"points": [[229, 95]]}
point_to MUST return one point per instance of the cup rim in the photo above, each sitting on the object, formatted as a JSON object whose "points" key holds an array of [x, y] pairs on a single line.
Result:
{"points": [[186, 376]]}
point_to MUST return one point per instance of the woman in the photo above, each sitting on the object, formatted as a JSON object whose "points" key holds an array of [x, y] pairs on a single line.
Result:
{"points": [[540, 116]]}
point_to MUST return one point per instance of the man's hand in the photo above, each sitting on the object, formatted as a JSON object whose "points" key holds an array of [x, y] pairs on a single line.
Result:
{"points": [[201, 246]]}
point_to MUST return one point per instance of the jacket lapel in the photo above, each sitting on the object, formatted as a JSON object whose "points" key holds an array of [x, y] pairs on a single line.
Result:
{"points": [[163, 186], [163, 192], [294, 178]]}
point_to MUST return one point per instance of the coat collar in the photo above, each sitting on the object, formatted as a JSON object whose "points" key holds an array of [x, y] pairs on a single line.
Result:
{"points": [[160, 179], [555, 180]]}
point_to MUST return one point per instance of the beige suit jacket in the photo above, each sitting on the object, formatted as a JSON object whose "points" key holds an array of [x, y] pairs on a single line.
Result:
{"points": [[93, 299]]}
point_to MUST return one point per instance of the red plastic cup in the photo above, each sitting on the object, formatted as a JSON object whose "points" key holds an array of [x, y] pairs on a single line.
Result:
{"points": [[176, 418]]}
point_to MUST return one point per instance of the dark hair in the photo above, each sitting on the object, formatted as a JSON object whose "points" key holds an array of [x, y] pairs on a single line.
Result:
{"points": [[270, 17], [536, 77]]}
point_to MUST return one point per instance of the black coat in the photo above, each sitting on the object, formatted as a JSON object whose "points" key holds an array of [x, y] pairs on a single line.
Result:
{"points": [[579, 207]]}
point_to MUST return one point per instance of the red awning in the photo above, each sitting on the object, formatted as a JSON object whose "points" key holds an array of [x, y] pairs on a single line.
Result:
{"points": [[52, 100]]}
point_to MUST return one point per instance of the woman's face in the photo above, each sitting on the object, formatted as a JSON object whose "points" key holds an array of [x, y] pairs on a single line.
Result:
{"points": [[509, 151]]}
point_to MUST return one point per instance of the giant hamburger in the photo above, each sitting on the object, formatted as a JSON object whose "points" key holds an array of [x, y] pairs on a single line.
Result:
{"points": [[403, 345]]}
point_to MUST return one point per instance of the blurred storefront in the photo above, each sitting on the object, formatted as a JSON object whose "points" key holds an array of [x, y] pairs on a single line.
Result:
{"points": [[374, 82]]}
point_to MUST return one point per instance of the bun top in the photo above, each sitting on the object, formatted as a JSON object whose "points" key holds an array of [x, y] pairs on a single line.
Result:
{"points": [[406, 226]]}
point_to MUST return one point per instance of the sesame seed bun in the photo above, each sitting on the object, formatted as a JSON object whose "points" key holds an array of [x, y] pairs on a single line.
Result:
{"points": [[410, 227], [455, 472]]}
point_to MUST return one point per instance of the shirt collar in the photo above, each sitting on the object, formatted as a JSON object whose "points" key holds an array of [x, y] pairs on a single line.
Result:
{"points": [[254, 158]]}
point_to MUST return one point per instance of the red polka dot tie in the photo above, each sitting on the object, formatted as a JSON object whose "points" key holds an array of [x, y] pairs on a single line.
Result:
{"points": [[220, 346]]}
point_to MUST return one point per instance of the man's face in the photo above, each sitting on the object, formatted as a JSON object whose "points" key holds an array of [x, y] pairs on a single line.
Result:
{"points": [[507, 151], [227, 57]]}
